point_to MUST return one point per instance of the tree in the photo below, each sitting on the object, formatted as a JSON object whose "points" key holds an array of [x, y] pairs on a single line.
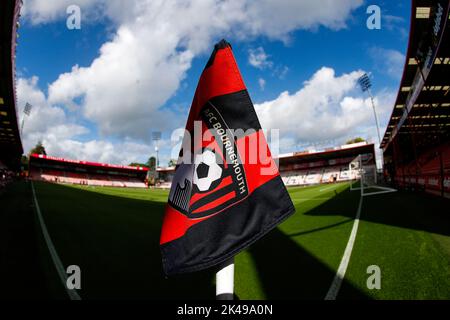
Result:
{"points": [[151, 163], [172, 163], [38, 149], [355, 140], [137, 164]]}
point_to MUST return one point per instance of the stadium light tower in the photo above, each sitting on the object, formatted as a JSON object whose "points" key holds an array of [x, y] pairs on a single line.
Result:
{"points": [[26, 111], [156, 136], [364, 82]]}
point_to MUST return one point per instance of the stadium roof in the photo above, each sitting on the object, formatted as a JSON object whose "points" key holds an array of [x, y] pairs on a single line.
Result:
{"points": [[10, 143], [422, 107], [57, 160]]}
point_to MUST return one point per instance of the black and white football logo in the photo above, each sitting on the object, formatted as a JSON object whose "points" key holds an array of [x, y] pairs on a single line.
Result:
{"points": [[208, 171]]}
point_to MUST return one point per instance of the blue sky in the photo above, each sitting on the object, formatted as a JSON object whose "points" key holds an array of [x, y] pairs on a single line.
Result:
{"points": [[138, 63]]}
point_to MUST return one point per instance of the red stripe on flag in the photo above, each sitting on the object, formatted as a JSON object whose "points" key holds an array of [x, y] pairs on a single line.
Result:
{"points": [[216, 202], [175, 224], [258, 164], [225, 182], [222, 77]]}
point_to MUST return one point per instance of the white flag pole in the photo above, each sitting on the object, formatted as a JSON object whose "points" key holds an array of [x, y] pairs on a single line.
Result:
{"points": [[225, 281]]}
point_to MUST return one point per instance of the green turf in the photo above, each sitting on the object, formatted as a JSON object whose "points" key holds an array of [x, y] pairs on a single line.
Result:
{"points": [[20, 270], [410, 243], [113, 233]]}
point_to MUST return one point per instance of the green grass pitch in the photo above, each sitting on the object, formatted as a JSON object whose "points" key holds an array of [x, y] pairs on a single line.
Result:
{"points": [[113, 235]]}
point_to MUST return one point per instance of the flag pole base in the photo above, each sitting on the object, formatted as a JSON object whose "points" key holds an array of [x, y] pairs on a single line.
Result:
{"points": [[225, 296]]}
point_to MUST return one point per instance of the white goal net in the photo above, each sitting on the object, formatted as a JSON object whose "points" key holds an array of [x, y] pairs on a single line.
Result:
{"points": [[364, 177]]}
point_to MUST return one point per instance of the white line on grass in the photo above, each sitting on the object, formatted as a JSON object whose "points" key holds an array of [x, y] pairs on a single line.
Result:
{"points": [[337, 281], [383, 190], [73, 294], [323, 189]]}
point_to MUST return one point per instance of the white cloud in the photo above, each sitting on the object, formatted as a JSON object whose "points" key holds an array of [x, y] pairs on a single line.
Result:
{"points": [[280, 72], [276, 19], [98, 150], [141, 67], [272, 18], [44, 119], [261, 83], [259, 59], [396, 24], [123, 89], [326, 108], [42, 11], [388, 61], [61, 137]]}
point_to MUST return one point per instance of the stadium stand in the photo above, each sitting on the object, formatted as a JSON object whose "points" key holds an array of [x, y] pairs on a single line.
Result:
{"points": [[165, 177], [10, 142], [308, 168], [330, 166], [59, 170], [416, 144]]}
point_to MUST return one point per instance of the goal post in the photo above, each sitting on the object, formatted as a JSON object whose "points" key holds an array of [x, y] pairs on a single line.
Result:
{"points": [[364, 177], [354, 169]]}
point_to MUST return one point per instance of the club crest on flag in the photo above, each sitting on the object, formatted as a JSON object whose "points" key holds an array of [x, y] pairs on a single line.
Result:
{"points": [[216, 178]]}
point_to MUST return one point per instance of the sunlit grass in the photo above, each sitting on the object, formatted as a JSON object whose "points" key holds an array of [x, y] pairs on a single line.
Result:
{"points": [[113, 234]]}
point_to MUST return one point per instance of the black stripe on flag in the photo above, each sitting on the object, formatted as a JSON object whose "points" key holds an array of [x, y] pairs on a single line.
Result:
{"points": [[237, 110]]}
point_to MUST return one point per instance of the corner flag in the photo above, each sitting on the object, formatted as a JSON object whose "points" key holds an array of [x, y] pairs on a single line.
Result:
{"points": [[227, 192]]}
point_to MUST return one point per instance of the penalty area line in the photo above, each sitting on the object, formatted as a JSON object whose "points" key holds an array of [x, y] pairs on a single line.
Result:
{"points": [[340, 274], [73, 294]]}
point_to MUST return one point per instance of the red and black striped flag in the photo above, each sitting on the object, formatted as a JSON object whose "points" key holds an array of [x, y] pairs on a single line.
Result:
{"points": [[227, 191]]}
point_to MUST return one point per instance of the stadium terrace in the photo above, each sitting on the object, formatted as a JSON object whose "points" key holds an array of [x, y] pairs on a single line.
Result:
{"points": [[305, 168], [60, 170]]}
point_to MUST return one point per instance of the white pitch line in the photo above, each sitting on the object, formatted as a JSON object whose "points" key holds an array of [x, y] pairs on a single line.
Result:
{"points": [[339, 277], [384, 190], [378, 192], [73, 294], [323, 189]]}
